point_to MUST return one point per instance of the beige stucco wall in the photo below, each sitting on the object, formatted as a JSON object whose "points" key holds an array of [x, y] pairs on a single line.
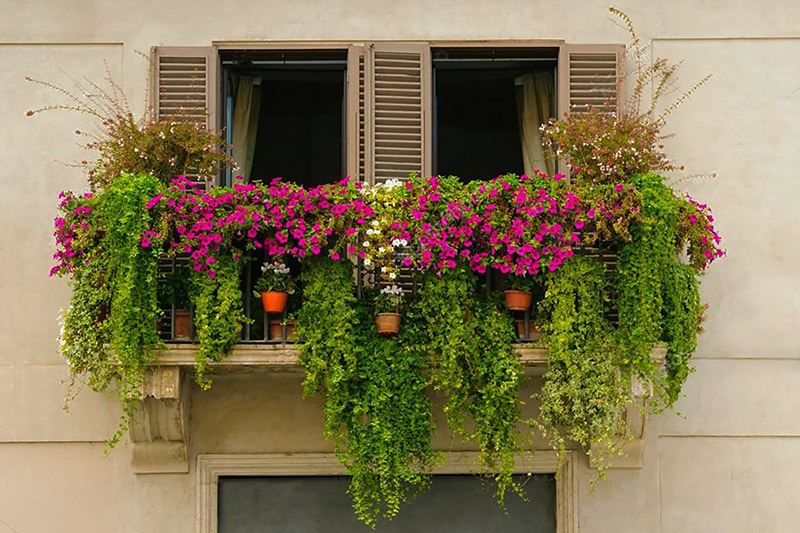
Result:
{"points": [[729, 463]]}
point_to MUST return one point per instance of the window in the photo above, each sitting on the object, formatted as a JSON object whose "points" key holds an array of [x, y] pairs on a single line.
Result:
{"points": [[284, 113], [454, 503], [384, 110], [488, 106]]}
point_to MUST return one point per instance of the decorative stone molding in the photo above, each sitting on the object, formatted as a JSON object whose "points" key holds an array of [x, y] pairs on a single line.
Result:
{"points": [[159, 428], [283, 357], [212, 466]]}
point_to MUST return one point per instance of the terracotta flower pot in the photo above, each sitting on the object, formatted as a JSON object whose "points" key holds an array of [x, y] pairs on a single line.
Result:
{"points": [[276, 330], [388, 323], [274, 302], [183, 325], [533, 332], [518, 300]]}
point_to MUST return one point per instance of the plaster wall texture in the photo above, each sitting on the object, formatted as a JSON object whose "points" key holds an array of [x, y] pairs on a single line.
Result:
{"points": [[728, 463]]}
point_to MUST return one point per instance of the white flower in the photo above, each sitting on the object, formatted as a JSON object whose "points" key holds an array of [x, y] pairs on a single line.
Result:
{"points": [[381, 249], [367, 262], [404, 242], [383, 269], [365, 244], [375, 223], [392, 275], [393, 289]]}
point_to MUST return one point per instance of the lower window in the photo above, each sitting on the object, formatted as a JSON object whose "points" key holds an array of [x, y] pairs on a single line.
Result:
{"points": [[454, 503]]}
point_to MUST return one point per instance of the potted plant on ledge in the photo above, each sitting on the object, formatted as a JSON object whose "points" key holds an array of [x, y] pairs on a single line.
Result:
{"points": [[387, 304], [274, 286], [520, 295]]}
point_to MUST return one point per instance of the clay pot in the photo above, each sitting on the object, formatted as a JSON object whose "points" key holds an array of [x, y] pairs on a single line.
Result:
{"points": [[183, 325], [274, 302], [518, 300], [388, 323], [276, 330], [533, 332]]}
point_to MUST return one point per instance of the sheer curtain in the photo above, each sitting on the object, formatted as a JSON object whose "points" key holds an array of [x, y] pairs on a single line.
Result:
{"points": [[534, 106], [246, 106]]}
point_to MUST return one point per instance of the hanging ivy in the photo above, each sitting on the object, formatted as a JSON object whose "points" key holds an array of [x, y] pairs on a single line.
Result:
{"points": [[469, 341], [587, 380], [376, 409], [218, 313]]}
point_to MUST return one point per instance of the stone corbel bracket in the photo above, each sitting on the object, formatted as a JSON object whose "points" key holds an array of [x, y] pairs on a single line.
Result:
{"points": [[159, 428]]}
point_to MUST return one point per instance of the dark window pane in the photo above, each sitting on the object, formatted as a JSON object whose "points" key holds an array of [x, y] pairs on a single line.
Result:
{"points": [[456, 503]]}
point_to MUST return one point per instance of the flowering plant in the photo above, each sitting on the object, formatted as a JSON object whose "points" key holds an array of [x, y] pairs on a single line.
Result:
{"points": [[604, 147], [274, 278], [163, 147], [389, 299]]}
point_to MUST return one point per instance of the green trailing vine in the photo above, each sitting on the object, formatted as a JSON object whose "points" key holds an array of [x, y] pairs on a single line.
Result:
{"points": [[683, 314], [586, 382], [376, 409], [110, 327], [218, 313], [469, 342]]}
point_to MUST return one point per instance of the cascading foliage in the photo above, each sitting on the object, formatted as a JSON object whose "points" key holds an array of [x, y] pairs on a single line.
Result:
{"points": [[454, 338]]}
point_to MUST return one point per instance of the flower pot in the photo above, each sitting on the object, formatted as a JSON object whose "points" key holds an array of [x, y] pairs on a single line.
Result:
{"points": [[274, 302], [276, 330], [533, 332], [183, 325], [388, 323], [518, 300]]}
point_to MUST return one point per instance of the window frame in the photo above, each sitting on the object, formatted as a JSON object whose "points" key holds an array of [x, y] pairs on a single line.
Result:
{"points": [[210, 467]]}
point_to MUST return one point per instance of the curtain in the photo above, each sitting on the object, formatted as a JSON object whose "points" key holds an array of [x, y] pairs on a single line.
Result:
{"points": [[534, 107], [246, 106]]}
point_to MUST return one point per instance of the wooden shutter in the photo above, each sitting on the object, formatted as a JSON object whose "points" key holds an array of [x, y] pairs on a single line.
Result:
{"points": [[591, 74], [390, 123], [184, 82], [356, 106]]}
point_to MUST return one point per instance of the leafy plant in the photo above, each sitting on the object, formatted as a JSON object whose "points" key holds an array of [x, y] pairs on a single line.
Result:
{"points": [[218, 313], [166, 148], [115, 288], [603, 147], [389, 299], [274, 278], [376, 409], [468, 341], [525, 283], [586, 383]]}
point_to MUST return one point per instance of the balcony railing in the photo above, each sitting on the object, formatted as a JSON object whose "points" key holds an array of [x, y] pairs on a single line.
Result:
{"points": [[177, 324]]}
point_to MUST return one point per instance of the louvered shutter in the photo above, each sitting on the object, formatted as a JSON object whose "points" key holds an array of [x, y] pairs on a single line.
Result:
{"points": [[393, 125], [185, 83], [591, 74]]}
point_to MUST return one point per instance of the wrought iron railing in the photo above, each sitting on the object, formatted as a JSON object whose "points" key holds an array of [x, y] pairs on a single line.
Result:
{"points": [[259, 327]]}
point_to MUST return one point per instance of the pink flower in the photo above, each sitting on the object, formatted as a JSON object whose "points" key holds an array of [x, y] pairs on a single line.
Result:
{"points": [[579, 224], [145, 242]]}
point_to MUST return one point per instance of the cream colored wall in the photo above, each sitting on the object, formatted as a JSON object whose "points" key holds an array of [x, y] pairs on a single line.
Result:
{"points": [[729, 464]]}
